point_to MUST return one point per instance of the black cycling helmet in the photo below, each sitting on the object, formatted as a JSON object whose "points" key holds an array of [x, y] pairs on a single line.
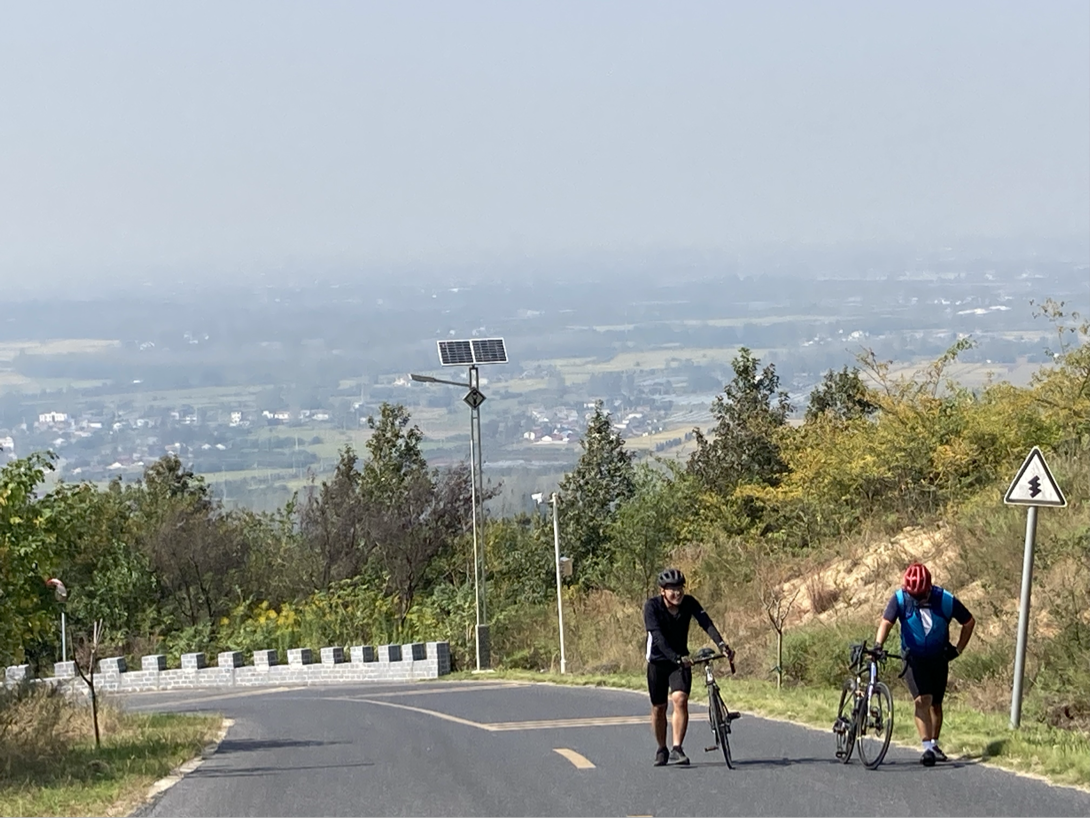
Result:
{"points": [[671, 576]]}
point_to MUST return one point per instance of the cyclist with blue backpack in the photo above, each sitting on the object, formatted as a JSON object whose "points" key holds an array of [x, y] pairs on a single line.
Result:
{"points": [[925, 611]]}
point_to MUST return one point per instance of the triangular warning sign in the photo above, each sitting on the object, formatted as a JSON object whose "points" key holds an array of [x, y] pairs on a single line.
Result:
{"points": [[1034, 485]]}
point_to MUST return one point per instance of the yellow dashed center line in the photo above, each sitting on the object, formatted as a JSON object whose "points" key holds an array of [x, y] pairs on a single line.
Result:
{"points": [[581, 762], [550, 724]]}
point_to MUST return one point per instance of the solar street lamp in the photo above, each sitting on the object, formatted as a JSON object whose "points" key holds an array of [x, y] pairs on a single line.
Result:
{"points": [[473, 353]]}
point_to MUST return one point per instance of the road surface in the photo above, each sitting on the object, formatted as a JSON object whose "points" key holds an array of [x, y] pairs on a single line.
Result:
{"points": [[509, 749]]}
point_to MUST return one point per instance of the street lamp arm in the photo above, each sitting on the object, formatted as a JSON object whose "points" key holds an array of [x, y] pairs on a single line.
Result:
{"points": [[430, 379]]}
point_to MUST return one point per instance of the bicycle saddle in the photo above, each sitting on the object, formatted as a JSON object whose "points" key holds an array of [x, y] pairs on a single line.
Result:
{"points": [[704, 654]]}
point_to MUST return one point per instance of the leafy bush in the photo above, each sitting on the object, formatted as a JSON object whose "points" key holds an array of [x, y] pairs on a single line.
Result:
{"points": [[194, 639], [818, 654], [982, 661]]}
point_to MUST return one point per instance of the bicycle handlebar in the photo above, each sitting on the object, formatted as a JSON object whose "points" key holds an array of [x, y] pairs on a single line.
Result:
{"points": [[703, 660], [858, 651]]}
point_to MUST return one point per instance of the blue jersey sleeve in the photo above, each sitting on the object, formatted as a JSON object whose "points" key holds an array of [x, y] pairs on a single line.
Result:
{"points": [[891, 611]]}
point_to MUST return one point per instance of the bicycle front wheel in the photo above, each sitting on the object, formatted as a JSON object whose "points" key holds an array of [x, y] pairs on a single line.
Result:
{"points": [[722, 728], [876, 726], [844, 726]]}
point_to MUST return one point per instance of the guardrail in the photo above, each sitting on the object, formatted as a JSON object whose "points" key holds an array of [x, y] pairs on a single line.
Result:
{"points": [[364, 663]]}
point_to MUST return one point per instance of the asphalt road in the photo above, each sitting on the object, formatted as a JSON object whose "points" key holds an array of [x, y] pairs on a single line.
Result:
{"points": [[505, 749]]}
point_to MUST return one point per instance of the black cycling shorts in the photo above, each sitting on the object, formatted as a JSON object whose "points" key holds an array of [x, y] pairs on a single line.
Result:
{"points": [[666, 677], [927, 676]]}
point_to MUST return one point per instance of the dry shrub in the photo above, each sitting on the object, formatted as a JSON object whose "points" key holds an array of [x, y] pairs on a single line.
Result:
{"points": [[822, 596], [990, 695], [37, 724], [605, 634]]}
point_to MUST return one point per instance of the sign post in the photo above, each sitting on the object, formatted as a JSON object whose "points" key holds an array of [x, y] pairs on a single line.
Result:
{"points": [[1034, 486]]}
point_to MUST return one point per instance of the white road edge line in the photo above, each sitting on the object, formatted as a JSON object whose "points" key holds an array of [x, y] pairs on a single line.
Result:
{"points": [[177, 774], [505, 726], [461, 688], [422, 710], [261, 691]]}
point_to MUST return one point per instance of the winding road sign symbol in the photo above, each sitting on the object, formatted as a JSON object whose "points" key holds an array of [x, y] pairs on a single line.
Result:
{"points": [[1035, 485]]}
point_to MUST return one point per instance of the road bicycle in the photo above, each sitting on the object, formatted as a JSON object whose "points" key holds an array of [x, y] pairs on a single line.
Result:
{"points": [[864, 720], [718, 714]]}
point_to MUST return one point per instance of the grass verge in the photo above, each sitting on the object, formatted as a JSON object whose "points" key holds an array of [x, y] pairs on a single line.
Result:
{"points": [[74, 778], [1059, 756]]}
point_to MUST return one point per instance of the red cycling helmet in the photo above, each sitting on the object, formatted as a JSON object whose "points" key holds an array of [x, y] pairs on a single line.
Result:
{"points": [[917, 580]]}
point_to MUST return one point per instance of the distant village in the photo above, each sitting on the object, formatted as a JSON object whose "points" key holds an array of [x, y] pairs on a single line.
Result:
{"points": [[99, 446], [96, 447]]}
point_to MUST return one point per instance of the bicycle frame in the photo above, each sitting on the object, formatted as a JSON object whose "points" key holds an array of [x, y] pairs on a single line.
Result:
{"points": [[870, 716], [872, 679], [718, 714], [709, 677]]}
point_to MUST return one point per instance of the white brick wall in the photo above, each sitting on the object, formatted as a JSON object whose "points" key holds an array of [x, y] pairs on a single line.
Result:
{"points": [[387, 663]]}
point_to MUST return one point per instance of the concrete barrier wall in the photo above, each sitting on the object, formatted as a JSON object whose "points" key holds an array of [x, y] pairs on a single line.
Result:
{"points": [[364, 663]]}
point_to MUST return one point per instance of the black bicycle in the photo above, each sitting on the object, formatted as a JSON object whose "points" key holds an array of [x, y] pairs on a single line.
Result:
{"points": [[718, 714], [864, 720]]}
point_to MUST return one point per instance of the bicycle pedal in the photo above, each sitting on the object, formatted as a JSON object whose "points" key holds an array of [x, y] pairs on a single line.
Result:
{"points": [[711, 749], [733, 716]]}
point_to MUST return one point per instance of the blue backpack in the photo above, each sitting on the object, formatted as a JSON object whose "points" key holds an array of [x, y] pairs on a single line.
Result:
{"points": [[915, 639]]}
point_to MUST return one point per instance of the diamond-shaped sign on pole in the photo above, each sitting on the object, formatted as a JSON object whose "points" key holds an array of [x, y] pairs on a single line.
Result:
{"points": [[474, 397]]}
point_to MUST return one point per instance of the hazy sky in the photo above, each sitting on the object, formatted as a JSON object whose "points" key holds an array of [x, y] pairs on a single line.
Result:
{"points": [[137, 137]]}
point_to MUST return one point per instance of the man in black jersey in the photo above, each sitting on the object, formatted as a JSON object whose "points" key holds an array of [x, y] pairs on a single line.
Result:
{"points": [[669, 669]]}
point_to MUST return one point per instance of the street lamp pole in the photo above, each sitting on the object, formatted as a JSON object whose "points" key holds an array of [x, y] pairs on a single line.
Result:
{"points": [[61, 593], [559, 596], [474, 398], [477, 498], [471, 352]]}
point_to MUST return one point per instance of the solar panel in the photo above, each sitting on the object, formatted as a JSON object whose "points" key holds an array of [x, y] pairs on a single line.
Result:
{"points": [[471, 352], [455, 353], [489, 351]]}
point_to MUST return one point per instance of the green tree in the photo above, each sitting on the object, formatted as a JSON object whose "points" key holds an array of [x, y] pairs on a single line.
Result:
{"points": [[748, 415], [841, 395], [411, 515], [590, 494], [197, 551], [107, 576], [647, 527], [1063, 390], [330, 525], [28, 556], [932, 443], [277, 554]]}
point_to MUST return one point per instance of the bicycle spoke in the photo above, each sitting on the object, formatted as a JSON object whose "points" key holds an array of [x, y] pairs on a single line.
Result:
{"points": [[723, 729], [713, 717], [876, 726], [844, 727]]}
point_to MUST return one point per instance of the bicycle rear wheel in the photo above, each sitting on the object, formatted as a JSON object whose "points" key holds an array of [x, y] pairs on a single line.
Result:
{"points": [[722, 728], [876, 726], [844, 726]]}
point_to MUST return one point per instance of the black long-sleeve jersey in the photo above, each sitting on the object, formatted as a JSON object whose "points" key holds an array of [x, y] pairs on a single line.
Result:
{"points": [[668, 634]]}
